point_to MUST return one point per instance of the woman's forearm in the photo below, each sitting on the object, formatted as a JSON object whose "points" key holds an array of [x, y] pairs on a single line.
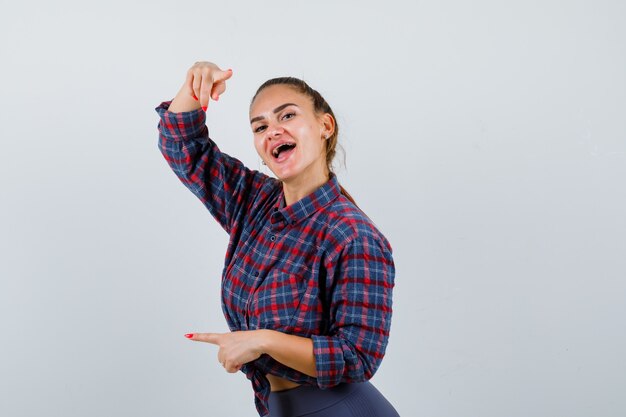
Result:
{"points": [[295, 352]]}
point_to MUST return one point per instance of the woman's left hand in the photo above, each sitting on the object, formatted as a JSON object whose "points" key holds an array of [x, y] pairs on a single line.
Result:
{"points": [[236, 348]]}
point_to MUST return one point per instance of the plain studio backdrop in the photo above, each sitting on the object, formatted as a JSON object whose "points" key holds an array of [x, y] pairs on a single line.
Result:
{"points": [[486, 139]]}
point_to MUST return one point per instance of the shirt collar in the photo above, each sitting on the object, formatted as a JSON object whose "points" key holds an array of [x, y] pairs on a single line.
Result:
{"points": [[306, 206]]}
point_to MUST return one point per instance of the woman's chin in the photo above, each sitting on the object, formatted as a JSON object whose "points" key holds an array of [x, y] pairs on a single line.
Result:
{"points": [[284, 173]]}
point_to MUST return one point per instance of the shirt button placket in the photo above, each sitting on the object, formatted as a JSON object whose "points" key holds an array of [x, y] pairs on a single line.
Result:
{"points": [[247, 311]]}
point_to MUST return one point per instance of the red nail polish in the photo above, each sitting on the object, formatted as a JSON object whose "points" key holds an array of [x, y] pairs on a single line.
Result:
{"points": [[189, 335], [204, 108], [195, 98]]}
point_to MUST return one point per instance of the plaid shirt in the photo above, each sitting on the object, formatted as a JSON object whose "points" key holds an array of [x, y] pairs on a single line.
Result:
{"points": [[318, 268]]}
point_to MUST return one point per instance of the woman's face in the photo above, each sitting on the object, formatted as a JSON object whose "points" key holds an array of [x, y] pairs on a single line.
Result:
{"points": [[280, 115]]}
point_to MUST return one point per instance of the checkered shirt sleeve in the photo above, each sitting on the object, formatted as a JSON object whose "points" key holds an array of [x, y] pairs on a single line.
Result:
{"points": [[223, 183], [360, 314]]}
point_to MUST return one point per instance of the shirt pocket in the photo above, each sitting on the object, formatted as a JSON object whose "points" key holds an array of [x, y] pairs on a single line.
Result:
{"points": [[278, 301]]}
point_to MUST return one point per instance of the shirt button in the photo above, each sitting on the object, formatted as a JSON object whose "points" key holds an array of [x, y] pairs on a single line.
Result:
{"points": [[272, 238]]}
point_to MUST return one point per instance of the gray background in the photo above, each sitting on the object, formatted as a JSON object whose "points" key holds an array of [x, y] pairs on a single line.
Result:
{"points": [[486, 139]]}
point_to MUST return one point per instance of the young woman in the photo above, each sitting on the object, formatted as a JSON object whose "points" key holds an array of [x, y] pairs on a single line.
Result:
{"points": [[308, 278]]}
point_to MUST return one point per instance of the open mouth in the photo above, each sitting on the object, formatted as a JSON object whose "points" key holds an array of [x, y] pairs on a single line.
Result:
{"points": [[283, 151]]}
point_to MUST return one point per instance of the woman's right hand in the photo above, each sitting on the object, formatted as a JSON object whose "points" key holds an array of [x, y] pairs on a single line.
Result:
{"points": [[204, 81]]}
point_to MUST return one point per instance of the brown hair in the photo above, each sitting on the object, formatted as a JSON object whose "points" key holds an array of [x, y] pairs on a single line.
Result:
{"points": [[320, 106]]}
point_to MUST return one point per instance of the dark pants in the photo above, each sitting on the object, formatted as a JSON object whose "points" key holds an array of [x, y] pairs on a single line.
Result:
{"points": [[344, 400]]}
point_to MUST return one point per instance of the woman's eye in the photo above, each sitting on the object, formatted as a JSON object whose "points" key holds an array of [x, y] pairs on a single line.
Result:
{"points": [[286, 116]]}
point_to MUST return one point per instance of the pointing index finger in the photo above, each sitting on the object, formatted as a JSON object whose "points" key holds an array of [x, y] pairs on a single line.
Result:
{"points": [[219, 83], [212, 338], [223, 75]]}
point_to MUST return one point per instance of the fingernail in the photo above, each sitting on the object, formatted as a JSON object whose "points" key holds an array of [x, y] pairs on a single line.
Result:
{"points": [[195, 98], [204, 108], [229, 69], [189, 335], [217, 98]]}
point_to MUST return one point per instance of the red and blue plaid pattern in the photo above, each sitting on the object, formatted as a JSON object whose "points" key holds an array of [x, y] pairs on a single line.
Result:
{"points": [[318, 268]]}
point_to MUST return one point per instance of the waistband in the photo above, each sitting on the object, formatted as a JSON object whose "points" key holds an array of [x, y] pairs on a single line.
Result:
{"points": [[309, 398]]}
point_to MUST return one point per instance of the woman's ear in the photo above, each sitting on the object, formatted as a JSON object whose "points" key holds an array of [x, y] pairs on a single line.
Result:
{"points": [[328, 125]]}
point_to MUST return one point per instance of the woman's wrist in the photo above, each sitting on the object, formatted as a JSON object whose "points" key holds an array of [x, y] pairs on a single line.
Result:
{"points": [[183, 102], [266, 340]]}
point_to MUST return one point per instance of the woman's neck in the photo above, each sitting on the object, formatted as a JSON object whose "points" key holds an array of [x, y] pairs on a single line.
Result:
{"points": [[298, 188]]}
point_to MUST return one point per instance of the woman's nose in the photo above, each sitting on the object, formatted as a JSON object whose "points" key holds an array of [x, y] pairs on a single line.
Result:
{"points": [[275, 130]]}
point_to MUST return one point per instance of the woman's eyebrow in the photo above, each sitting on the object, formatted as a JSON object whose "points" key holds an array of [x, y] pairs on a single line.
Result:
{"points": [[276, 110]]}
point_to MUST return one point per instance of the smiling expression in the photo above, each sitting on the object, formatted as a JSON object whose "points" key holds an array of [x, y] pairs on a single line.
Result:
{"points": [[288, 135]]}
